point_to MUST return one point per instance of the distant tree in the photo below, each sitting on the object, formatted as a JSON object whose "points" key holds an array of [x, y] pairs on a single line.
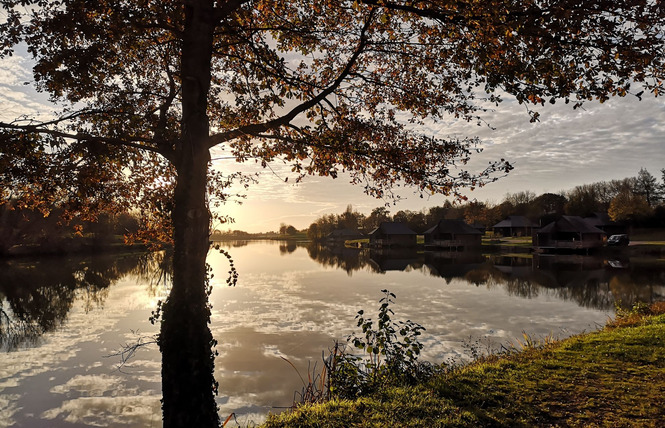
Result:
{"points": [[584, 201], [629, 206], [505, 209], [287, 229], [150, 87], [350, 219], [547, 207], [477, 212], [647, 186], [520, 201], [313, 232], [126, 224], [416, 220], [376, 217], [401, 216], [434, 214]]}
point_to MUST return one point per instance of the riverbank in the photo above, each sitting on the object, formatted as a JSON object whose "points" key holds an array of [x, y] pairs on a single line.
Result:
{"points": [[73, 245], [612, 377]]}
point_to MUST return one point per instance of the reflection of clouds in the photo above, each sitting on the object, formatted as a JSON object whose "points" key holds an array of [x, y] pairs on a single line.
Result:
{"points": [[283, 306], [292, 307], [8, 408], [90, 385], [142, 410], [252, 374], [74, 358]]}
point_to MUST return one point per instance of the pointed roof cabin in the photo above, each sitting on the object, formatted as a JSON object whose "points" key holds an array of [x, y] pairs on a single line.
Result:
{"points": [[568, 233], [515, 225], [393, 234], [453, 234]]}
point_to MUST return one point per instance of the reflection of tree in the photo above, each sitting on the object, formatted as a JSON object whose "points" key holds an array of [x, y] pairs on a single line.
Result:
{"points": [[401, 259], [588, 281], [453, 264], [340, 257], [591, 282], [37, 295], [642, 281], [234, 243], [287, 247]]}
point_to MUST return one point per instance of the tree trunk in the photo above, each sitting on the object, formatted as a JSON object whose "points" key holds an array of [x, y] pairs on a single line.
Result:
{"points": [[188, 383]]}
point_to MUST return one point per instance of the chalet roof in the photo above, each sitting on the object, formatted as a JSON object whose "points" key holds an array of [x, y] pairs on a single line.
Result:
{"points": [[570, 223], [599, 219], [391, 228], [516, 221], [455, 227]]}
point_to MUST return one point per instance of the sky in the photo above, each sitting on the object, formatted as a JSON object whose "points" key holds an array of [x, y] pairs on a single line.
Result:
{"points": [[566, 148]]}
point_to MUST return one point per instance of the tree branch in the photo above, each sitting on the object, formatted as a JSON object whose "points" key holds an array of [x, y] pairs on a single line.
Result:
{"points": [[81, 136], [257, 128]]}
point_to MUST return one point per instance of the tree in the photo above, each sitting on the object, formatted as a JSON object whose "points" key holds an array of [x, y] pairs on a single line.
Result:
{"points": [[583, 201], [477, 213], [376, 217], [313, 232], [520, 201], [647, 186], [350, 219], [629, 206], [547, 207], [150, 87]]}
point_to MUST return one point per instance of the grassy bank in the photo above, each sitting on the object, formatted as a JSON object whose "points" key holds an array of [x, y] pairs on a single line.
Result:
{"points": [[609, 378]]}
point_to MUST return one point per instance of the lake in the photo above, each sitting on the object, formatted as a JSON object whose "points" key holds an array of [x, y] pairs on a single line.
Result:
{"points": [[65, 321]]}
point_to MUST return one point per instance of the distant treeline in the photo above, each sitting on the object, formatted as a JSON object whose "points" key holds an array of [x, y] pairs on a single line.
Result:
{"points": [[25, 230], [637, 201]]}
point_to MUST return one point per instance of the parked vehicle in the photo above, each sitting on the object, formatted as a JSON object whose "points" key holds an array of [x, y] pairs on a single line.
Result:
{"points": [[618, 240]]}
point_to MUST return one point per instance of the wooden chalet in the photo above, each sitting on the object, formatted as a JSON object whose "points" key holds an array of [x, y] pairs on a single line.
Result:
{"points": [[392, 235], [515, 225], [602, 221], [568, 233], [452, 234]]}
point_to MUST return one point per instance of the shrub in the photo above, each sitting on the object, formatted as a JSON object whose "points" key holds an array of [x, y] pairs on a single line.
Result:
{"points": [[390, 354]]}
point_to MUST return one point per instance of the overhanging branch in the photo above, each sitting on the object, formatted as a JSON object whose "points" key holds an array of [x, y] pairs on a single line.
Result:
{"points": [[254, 129]]}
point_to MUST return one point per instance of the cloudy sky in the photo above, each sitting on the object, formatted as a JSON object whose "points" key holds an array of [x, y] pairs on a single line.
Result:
{"points": [[566, 148]]}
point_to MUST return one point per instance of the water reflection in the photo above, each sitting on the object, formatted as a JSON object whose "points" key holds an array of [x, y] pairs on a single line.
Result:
{"points": [[292, 301], [37, 294], [62, 319], [338, 257], [590, 281]]}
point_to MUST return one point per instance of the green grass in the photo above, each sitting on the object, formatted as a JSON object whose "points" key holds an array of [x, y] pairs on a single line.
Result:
{"points": [[611, 378], [655, 243]]}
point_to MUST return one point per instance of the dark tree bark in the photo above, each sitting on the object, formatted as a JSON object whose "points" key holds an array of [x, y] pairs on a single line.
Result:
{"points": [[188, 383]]}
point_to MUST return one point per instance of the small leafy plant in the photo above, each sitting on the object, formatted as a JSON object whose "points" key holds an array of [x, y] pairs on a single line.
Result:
{"points": [[390, 354]]}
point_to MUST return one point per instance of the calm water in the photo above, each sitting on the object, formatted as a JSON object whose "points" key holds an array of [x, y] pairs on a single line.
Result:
{"points": [[62, 320]]}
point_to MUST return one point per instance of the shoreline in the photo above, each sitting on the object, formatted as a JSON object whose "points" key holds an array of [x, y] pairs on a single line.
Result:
{"points": [[614, 376]]}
